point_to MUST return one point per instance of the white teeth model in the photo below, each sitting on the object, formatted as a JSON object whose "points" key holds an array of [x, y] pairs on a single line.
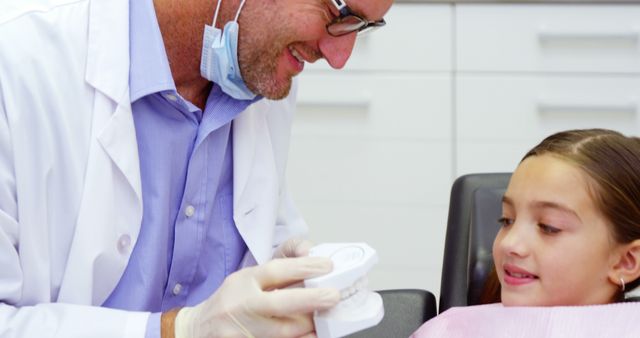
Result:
{"points": [[296, 55], [359, 307]]}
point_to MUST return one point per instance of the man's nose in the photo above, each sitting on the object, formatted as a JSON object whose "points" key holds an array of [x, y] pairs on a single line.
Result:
{"points": [[337, 49]]}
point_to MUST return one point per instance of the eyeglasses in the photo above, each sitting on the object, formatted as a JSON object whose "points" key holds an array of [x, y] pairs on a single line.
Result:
{"points": [[348, 22]]}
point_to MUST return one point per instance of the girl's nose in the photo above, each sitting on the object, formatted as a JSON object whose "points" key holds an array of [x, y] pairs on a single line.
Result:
{"points": [[512, 241]]}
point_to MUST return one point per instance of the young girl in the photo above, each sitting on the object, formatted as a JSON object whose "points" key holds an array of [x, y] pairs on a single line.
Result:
{"points": [[570, 236]]}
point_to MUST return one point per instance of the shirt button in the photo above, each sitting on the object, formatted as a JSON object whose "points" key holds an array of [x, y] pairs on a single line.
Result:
{"points": [[171, 97], [177, 289], [124, 242], [189, 211]]}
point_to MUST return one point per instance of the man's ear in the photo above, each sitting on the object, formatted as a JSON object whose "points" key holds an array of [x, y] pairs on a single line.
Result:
{"points": [[627, 265]]}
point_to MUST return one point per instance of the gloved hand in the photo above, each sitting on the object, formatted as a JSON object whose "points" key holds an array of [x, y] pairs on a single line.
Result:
{"points": [[293, 247], [252, 303]]}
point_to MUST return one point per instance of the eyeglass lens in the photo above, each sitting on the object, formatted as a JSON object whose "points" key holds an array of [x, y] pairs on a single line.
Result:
{"points": [[346, 24]]}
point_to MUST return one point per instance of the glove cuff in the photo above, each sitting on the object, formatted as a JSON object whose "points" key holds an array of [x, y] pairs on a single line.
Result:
{"points": [[184, 323]]}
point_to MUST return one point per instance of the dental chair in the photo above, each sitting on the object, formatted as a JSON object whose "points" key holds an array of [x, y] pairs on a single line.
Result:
{"points": [[474, 208], [404, 311]]}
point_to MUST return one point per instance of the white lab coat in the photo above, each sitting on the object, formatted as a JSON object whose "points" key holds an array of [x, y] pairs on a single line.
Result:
{"points": [[70, 193]]}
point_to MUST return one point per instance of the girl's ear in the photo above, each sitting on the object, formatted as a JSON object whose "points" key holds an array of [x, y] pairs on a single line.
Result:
{"points": [[627, 266]]}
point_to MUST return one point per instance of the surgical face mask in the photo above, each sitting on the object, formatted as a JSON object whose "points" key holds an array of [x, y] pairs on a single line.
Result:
{"points": [[219, 61]]}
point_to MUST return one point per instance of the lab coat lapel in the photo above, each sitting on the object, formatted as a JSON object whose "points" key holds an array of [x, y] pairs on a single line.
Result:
{"points": [[109, 47], [111, 208], [108, 72], [255, 180]]}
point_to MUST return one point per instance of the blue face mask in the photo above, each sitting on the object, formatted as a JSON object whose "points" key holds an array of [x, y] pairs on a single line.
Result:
{"points": [[219, 61]]}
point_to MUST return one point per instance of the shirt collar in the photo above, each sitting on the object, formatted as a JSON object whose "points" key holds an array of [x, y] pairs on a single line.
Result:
{"points": [[150, 71]]}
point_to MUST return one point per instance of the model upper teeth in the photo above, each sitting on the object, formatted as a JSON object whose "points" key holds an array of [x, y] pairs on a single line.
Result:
{"points": [[356, 289], [296, 55]]}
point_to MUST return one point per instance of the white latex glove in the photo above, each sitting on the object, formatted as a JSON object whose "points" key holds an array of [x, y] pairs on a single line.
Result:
{"points": [[293, 247], [252, 303]]}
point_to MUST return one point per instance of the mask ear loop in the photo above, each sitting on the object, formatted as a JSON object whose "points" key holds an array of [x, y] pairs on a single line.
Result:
{"points": [[239, 9], [215, 15]]}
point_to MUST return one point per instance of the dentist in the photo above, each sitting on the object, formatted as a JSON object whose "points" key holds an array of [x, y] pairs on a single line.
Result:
{"points": [[143, 146]]}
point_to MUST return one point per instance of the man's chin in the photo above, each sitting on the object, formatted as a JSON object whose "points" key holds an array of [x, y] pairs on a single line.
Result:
{"points": [[273, 91]]}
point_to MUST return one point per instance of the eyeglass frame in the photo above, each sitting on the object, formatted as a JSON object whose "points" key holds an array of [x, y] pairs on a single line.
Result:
{"points": [[346, 12]]}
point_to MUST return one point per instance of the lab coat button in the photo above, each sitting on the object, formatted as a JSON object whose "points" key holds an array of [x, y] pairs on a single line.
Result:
{"points": [[189, 211], [177, 289], [124, 242]]}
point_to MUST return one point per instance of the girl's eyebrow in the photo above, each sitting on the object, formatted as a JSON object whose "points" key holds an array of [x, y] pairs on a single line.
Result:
{"points": [[556, 206], [545, 205], [507, 200]]}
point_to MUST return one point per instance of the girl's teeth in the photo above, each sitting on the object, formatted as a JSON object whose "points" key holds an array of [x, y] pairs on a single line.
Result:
{"points": [[519, 275]]}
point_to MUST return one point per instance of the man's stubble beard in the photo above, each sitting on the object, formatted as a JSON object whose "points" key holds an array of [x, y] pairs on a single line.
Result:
{"points": [[259, 73], [259, 51]]}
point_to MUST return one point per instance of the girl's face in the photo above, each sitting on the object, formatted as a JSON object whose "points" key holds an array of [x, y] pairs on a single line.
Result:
{"points": [[554, 247]]}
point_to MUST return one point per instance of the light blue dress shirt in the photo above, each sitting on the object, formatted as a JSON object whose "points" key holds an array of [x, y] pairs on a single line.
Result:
{"points": [[188, 241]]}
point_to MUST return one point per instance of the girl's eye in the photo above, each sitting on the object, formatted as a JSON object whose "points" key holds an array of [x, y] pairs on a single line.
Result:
{"points": [[547, 229], [505, 222]]}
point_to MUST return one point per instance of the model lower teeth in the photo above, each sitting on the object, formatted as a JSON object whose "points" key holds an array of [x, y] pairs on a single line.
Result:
{"points": [[356, 289]]}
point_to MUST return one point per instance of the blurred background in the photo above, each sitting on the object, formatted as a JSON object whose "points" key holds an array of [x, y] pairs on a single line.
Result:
{"points": [[445, 89]]}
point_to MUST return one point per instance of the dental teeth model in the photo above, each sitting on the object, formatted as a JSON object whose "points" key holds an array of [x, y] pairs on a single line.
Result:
{"points": [[359, 307]]}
